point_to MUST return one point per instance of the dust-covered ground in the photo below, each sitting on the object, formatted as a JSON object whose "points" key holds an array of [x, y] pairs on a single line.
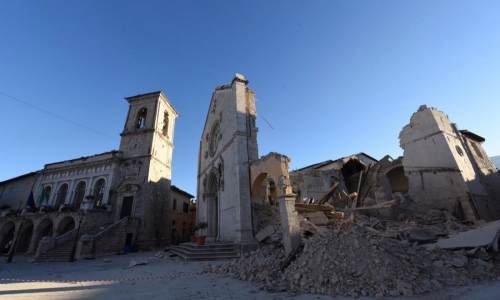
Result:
{"points": [[112, 277]]}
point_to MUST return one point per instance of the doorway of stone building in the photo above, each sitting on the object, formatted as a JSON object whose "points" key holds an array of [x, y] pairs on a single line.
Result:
{"points": [[213, 217], [25, 238], [127, 204], [213, 208], [128, 243], [8, 237]]}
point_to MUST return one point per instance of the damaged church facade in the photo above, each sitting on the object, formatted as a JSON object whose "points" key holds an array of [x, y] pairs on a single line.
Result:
{"points": [[442, 167], [227, 148], [108, 201]]}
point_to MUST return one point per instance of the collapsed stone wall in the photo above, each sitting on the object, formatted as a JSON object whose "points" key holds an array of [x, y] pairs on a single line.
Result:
{"points": [[265, 215], [367, 256], [270, 178], [314, 183]]}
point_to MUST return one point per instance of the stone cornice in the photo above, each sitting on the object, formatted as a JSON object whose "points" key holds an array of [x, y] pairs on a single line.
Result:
{"points": [[137, 131], [80, 165]]}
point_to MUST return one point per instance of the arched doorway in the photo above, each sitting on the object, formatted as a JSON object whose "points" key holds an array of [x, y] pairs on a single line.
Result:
{"points": [[7, 237], [66, 225], [397, 178], [25, 236], [212, 199], [46, 228], [259, 189]]}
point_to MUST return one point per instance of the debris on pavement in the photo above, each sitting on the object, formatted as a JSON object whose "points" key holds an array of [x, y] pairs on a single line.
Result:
{"points": [[139, 262], [368, 255]]}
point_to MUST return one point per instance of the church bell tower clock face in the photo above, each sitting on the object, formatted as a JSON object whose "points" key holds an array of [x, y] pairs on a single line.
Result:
{"points": [[134, 146]]}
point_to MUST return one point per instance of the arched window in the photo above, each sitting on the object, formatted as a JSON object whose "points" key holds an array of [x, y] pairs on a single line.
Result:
{"points": [[141, 118], [165, 123], [61, 194], [79, 193], [214, 139], [99, 188], [48, 189]]}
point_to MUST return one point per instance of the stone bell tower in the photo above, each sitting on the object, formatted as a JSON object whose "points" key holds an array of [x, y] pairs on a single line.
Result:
{"points": [[143, 183]]}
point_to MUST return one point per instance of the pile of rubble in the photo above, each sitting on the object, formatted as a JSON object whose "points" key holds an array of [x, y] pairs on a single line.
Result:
{"points": [[266, 219], [363, 255]]}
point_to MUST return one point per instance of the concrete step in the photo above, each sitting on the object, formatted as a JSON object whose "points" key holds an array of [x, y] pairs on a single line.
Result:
{"points": [[205, 254], [207, 247], [194, 252], [58, 254], [63, 251]]}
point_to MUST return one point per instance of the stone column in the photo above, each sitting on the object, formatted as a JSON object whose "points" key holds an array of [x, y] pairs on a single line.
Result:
{"points": [[289, 222], [34, 242]]}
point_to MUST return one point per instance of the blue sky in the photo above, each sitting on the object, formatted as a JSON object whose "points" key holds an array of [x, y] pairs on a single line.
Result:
{"points": [[333, 78]]}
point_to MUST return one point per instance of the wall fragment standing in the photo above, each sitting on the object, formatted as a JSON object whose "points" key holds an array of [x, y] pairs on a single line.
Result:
{"points": [[442, 171], [289, 222]]}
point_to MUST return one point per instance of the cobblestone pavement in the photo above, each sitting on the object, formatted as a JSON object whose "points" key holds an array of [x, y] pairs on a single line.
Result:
{"points": [[111, 277]]}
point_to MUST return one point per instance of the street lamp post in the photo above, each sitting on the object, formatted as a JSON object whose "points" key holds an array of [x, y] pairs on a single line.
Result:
{"points": [[13, 249], [81, 214]]}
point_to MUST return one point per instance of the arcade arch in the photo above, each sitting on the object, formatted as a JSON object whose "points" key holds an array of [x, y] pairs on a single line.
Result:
{"points": [[7, 236], [398, 180], [65, 225], [25, 236]]}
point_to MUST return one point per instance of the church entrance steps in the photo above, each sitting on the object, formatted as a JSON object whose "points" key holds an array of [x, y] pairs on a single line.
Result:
{"points": [[215, 251]]}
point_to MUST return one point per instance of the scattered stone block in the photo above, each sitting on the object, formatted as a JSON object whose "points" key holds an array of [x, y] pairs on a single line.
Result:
{"points": [[418, 234], [457, 263], [265, 233], [408, 292], [138, 262], [438, 263], [487, 265]]}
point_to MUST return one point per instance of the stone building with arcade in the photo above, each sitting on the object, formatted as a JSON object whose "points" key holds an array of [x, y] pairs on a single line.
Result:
{"points": [[124, 194]]}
